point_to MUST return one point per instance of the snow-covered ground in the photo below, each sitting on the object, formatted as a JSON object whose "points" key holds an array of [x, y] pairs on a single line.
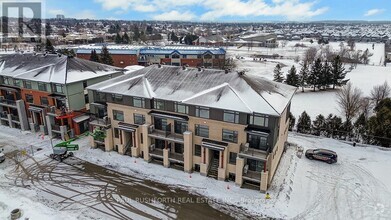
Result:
{"points": [[314, 103], [356, 187]]}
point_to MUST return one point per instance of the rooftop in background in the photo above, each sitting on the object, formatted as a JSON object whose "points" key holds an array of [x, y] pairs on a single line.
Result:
{"points": [[131, 49], [52, 68], [246, 92]]}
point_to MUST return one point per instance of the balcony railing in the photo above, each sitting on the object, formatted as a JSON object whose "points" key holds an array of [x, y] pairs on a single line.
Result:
{"points": [[14, 118], [165, 134], [251, 175], [4, 115], [247, 151], [103, 122], [7, 101]]}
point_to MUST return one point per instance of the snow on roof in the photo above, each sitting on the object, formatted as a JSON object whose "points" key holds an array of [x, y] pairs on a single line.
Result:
{"points": [[52, 68], [132, 68], [247, 93]]}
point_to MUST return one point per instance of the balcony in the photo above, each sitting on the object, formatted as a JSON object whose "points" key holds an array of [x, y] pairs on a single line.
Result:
{"points": [[250, 175], [15, 118], [246, 151], [101, 122], [155, 152], [175, 157], [7, 102], [165, 134]]}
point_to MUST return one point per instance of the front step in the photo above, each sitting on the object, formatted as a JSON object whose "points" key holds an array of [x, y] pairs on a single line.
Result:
{"points": [[213, 170]]}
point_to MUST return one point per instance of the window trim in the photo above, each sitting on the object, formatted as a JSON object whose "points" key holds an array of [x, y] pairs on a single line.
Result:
{"points": [[42, 84], [115, 112], [180, 104], [142, 100], [156, 101], [230, 161], [199, 127], [200, 109], [196, 152], [234, 113], [235, 135], [138, 115]]}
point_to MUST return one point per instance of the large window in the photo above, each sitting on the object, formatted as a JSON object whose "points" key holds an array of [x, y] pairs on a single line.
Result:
{"points": [[178, 148], [42, 87], [138, 102], [27, 84], [139, 119], [158, 104], [259, 120], [160, 123], [17, 82], [202, 131], [255, 165], [180, 127], [118, 115], [197, 150], [58, 88], [44, 101], [117, 98], [181, 108], [202, 112], [29, 98], [6, 80], [231, 116], [232, 157], [230, 136], [257, 142]]}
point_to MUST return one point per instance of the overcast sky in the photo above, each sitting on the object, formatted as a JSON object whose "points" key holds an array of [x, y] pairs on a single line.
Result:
{"points": [[222, 10]]}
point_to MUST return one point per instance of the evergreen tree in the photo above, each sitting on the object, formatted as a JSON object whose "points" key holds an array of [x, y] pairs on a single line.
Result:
{"points": [[316, 71], [118, 39], [66, 52], [126, 38], [379, 125], [303, 76], [136, 36], [360, 126], [278, 77], [48, 29], [94, 56], [48, 46], [337, 71], [292, 121], [325, 78], [105, 56], [319, 124], [292, 78], [174, 37], [304, 123], [333, 125]]}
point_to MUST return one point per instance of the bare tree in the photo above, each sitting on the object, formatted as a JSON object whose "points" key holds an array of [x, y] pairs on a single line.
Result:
{"points": [[366, 106], [310, 55], [349, 100], [380, 92]]}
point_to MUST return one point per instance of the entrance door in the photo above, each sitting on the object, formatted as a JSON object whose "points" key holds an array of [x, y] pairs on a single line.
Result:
{"points": [[216, 154]]}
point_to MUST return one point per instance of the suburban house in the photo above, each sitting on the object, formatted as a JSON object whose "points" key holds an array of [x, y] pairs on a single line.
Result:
{"points": [[193, 56], [223, 124], [47, 92], [213, 40], [256, 40]]}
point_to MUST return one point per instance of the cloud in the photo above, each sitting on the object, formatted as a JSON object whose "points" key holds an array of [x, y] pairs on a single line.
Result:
{"points": [[56, 12], [216, 9], [85, 14], [372, 12], [175, 16]]}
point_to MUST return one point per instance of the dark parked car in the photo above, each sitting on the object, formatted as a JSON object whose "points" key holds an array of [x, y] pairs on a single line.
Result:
{"points": [[328, 156]]}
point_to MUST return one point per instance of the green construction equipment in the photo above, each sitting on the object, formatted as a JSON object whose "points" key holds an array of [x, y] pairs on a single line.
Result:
{"points": [[62, 150], [68, 145]]}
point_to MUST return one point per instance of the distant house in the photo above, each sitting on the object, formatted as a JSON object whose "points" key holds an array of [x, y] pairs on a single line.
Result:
{"points": [[256, 40], [224, 125], [214, 40], [388, 56], [47, 93]]}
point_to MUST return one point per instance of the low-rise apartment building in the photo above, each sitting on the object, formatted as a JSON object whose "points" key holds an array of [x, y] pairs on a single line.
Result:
{"points": [[47, 92], [193, 56], [225, 125]]}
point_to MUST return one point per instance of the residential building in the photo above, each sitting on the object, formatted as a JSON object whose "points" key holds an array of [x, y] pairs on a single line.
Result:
{"points": [[225, 125], [193, 56], [213, 40], [47, 92], [257, 40]]}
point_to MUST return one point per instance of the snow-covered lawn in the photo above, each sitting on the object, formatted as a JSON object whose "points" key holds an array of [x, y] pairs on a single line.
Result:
{"points": [[357, 187]]}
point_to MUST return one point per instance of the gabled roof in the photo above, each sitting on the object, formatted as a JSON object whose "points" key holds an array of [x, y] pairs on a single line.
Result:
{"points": [[52, 68], [248, 93]]}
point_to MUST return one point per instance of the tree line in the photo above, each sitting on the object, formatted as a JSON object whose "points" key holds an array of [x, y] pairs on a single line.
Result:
{"points": [[104, 57], [318, 75], [367, 119]]}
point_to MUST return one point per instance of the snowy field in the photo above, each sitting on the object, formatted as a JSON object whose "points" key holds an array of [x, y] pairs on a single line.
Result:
{"points": [[315, 103], [354, 188]]}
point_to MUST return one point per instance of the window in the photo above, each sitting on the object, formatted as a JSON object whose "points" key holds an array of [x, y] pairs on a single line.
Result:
{"points": [[17, 82], [27, 84], [139, 119], [44, 101], [86, 99], [175, 56], [257, 142], [160, 123], [180, 127], [158, 104], [230, 136], [231, 116], [197, 150], [255, 165], [232, 158], [184, 56], [116, 132], [117, 98], [181, 108], [202, 112], [6, 80], [259, 120], [166, 56], [199, 56], [29, 98], [138, 102], [202, 130], [58, 88], [42, 86], [208, 56], [118, 115], [178, 148]]}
